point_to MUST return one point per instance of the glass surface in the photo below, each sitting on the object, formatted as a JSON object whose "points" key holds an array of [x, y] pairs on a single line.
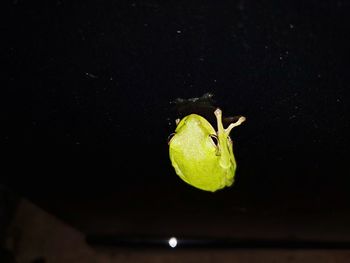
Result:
{"points": [[86, 113]]}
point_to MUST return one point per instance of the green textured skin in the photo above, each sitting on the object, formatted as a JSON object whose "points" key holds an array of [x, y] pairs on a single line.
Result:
{"points": [[197, 159]]}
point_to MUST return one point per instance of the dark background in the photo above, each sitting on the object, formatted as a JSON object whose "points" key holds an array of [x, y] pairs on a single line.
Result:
{"points": [[85, 113]]}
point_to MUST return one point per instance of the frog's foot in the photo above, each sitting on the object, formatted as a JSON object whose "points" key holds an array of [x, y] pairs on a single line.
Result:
{"points": [[218, 115], [235, 124]]}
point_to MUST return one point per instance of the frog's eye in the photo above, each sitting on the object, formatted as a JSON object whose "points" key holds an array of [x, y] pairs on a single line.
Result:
{"points": [[170, 137], [214, 139]]}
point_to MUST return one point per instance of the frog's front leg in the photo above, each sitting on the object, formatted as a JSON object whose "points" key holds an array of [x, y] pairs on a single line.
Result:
{"points": [[225, 151]]}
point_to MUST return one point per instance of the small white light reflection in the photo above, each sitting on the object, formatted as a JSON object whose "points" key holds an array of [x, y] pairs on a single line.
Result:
{"points": [[172, 242]]}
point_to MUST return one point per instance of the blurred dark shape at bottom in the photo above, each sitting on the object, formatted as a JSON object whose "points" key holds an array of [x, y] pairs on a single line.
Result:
{"points": [[6, 256]]}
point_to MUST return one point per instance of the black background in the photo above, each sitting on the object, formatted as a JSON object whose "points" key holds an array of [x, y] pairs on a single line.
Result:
{"points": [[85, 112]]}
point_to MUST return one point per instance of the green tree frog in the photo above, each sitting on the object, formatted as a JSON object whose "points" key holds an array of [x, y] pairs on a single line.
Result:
{"points": [[201, 156]]}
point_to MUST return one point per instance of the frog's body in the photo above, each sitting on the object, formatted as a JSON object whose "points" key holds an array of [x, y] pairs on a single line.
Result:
{"points": [[201, 156]]}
